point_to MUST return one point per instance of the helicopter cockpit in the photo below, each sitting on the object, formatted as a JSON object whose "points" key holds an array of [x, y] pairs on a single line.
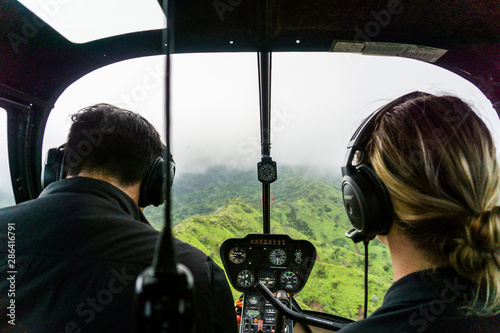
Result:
{"points": [[256, 101]]}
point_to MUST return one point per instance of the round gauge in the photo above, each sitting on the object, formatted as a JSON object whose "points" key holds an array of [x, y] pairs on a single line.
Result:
{"points": [[268, 278], [277, 257], [245, 279], [267, 172], [237, 255], [289, 280]]}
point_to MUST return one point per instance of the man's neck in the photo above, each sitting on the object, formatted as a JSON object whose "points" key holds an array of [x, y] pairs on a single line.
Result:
{"points": [[132, 191]]}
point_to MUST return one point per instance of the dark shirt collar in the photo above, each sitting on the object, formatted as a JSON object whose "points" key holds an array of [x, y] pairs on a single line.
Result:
{"points": [[427, 285], [99, 188]]}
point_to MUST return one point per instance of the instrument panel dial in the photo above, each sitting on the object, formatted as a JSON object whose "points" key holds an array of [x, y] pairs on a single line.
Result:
{"points": [[245, 278], [268, 278], [237, 255], [289, 280], [267, 172], [277, 257]]}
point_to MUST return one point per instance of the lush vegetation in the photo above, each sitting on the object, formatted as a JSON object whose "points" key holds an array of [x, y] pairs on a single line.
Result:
{"points": [[211, 207]]}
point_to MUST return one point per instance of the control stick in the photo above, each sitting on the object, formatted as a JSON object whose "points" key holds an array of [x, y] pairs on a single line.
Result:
{"points": [[283, 298]]}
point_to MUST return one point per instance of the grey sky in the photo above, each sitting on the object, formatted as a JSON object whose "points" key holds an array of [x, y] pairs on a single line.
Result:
{"points": [[318, 101]]}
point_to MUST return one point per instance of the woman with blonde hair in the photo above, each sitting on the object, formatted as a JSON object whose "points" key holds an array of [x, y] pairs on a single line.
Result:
{"points": [[422, 175]]}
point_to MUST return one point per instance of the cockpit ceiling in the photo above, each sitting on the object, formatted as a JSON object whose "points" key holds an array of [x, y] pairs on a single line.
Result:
{"points": [[40, 62], [317, 22]]}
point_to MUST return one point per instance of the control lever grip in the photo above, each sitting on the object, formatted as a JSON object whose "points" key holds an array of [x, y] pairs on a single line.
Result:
{"points": [[296, 316], [278, 319]]}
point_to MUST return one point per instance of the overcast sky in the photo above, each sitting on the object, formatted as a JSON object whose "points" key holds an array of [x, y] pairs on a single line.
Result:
{"points": [[318, 101]]}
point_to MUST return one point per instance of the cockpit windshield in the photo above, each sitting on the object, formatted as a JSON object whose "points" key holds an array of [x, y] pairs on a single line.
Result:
{"points": [[318, 100]]}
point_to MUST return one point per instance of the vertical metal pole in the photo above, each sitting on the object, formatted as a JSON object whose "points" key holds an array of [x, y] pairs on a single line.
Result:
{"points": [[264, 62], [266, 208]]}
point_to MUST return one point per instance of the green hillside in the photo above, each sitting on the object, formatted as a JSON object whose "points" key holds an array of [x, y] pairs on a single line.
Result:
{"points": [[209, 208]]}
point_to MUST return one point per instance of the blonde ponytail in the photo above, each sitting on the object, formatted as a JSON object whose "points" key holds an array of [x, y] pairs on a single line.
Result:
{"points": [[477, 257]]}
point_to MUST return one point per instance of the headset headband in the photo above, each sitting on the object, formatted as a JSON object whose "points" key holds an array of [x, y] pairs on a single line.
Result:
{"points": [[362, 134]]}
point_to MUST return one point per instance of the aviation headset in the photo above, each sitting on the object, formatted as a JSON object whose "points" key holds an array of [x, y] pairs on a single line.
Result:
{"points": [[366, 199], [153, 186]]}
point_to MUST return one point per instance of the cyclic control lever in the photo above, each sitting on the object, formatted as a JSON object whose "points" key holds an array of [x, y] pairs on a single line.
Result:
{"points": [[279, 322]]}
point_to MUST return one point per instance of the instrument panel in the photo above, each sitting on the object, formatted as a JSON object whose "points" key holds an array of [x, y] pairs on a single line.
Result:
{"points": [[280, 262]]}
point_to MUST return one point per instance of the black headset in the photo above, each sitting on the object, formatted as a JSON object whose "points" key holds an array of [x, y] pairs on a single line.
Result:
{"points": [[153, 186], [366, 199]]}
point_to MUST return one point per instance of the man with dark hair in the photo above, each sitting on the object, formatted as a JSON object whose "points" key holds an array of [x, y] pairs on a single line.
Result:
{"points": [[131, 144], [81, 244]]}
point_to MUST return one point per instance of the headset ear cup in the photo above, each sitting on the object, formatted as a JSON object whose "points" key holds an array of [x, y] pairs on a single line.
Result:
{"points": [[53, 169], [384, 202], [153, 185], [367, 202]]}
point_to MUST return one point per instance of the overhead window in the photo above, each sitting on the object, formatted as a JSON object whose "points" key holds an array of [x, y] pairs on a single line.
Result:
{"points": [[77, 20]]}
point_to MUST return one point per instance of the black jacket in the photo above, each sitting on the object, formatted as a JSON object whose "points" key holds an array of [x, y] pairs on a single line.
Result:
{"points": [[78, 249], [426, 301]]}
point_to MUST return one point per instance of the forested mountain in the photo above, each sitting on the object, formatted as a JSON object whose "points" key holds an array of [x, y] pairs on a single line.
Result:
{"points": [[213, 206]]}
